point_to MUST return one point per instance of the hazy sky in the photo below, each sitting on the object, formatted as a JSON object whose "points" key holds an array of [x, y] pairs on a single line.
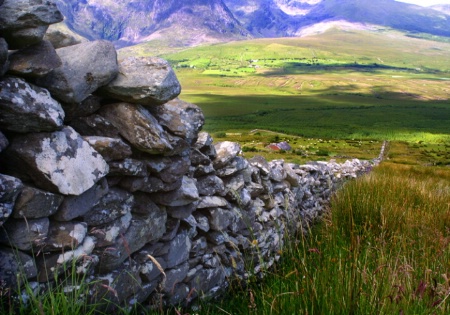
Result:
{"points": [[426, 3]]}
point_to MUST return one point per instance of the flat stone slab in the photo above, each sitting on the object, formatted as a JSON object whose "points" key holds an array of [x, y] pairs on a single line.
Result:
{"points": [[59, 162]]}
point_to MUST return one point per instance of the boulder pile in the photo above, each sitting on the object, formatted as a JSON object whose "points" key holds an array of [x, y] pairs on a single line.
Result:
{"points": [[104, 171]]}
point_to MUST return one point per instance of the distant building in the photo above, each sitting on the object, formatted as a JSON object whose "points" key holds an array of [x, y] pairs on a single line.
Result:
{"points": [[279, 146]]}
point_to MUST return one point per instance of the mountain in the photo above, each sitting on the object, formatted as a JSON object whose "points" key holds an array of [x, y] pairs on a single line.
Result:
{"points": [[180, 23], [445, 8], [132, 21]]}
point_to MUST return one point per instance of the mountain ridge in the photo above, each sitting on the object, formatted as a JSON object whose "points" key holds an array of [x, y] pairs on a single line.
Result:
{"points": [[181, 24]]}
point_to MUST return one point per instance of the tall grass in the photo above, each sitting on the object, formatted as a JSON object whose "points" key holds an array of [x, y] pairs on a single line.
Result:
{"points": [[382, 249]]}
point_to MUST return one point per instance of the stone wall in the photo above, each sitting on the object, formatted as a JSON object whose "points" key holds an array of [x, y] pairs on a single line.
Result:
{"points": [[105, 172]]}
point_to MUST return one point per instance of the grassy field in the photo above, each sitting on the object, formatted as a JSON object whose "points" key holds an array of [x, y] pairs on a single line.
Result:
{"points": [[337, 85]]}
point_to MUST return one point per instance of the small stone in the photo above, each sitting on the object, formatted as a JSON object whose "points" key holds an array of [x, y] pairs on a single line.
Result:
{"points": [[226, 151], [34, 203], [186, 194], [110, 148]]}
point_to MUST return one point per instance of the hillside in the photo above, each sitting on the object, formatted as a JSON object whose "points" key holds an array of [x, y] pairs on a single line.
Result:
{"points": [[177, 23]]}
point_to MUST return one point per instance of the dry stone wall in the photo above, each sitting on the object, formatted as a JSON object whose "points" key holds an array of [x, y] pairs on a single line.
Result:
{"points": [[105, 172]]}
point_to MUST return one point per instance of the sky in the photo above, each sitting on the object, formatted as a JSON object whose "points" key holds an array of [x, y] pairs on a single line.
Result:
{"points": [[426, 3]]}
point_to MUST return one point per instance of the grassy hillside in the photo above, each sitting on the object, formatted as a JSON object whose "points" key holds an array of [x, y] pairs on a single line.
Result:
{"points": [[339, 84]]}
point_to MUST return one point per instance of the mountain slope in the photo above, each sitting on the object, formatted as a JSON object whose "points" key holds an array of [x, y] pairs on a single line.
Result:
{"points": [[179, 23]]}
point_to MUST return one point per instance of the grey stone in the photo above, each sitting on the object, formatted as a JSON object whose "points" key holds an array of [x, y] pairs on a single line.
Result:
{"points": [[4, 63], [205, 145], [34, 61], [261, 163], [202, 221], [277, 172], [198, 158], [3, 142], [143, 204], [116, 287], [179, 249], [206, 279], [202, 170], [233, 186], [148, 270], [237, 164], [255, 189], [144, 80], [95, 125], [219, 219], [176, 168], [85, 68], [141, 231], [60, 37], [210, 185], [106, 235], [138, 126], [14, 263], [34, 203], [65, 235], [109, 148], [21, 17], [25, 234], [181, 118], [175, 276], [84, 108], [226, 151], [179, 293], [10, 188], [291, 176], [186, 194], [172, 227], [114, 204], [199, 246], [59, 162], [128, 167], [182, 212], [212, 202], [76, 206], [27, 108]]}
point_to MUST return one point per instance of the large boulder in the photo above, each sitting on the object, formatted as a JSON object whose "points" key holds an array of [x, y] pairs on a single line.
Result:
{"points": [[59, 162], [85, 68], [181, 118], [34, 61], [27, 108], [24, 22], [61, 36], [144, 80], [138, 126]]}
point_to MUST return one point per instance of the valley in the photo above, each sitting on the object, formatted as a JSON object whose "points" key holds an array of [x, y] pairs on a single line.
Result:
{"points": [[341, 85]]}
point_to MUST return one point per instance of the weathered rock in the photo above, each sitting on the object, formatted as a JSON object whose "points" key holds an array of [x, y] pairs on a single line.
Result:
{"points": [[3, 142], [182, 212], [25, 234], [107, 235], [19, 18], [147, 184], [85, 68], [210, 185], [143, 204], [181, 118], [186, 194], [10, 188], [114, 204], [205, 144], [34, 203], [4, 64], [65, 235], [141, 231], [226, 151], [138, 126], [95, 125], [212, 202], [235, 165], [144, 80], [207, 279], [109, 148], [233, 185], [128, 167], [62, 37], [175, 276], [34, 61], [291, 176], [176, 168], [83, 109], [28, 108], [219, 219], [116, 287], [76, 206], [277, 172], [149, 271], [59, 162], [179, 249], [14, 263], [202, 170], [201, 221], [261, 163], [198, 158]]}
